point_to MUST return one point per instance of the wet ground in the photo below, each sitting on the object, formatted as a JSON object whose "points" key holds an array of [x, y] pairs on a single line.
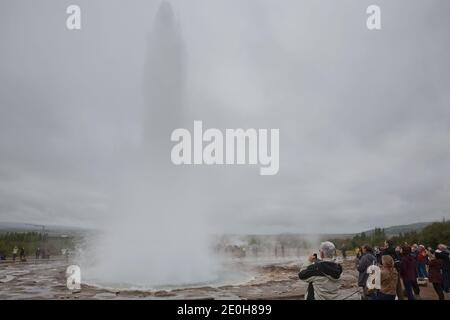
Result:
{"points": [[270, 280], [47, 280]]}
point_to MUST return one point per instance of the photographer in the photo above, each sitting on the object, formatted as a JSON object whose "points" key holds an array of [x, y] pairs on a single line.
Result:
{"points": [[322, 275]]}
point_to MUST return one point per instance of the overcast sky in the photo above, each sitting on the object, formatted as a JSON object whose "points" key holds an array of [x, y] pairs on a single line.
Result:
{"points": [[364, 116]]}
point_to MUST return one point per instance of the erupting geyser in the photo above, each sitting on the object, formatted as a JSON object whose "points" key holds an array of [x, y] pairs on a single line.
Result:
{"points": [[156, 235]]}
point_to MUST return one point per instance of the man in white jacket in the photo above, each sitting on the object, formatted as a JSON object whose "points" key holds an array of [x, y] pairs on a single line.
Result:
{"points": [[322, 276]]}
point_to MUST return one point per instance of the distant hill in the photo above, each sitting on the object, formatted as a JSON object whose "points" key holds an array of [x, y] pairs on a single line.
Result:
{"points": [[29, 227], [58, 230], [396, 230]]}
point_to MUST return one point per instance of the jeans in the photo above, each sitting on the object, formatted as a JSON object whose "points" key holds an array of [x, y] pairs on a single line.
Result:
{"points": [[422, 270]]}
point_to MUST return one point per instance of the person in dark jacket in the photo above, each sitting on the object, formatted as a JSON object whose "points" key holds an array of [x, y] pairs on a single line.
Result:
{"points": [[322, 275], [22, 254], [367, 259], [408, 273], [443, 254], [377, 253], [389, 249], [435, 274]]}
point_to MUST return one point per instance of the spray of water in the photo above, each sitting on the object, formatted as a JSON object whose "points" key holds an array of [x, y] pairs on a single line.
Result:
{"points": [[156, 235]]}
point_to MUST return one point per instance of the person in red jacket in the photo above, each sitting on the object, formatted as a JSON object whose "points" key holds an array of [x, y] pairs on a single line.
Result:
{"points": [[435, 274], [422, 261]]}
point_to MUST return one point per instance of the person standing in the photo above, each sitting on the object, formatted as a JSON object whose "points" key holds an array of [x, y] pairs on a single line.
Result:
{"points": [[394, 251], [377, 253], [367, 259], [14, 253], [389, 279], [414, 249], [22, 254], [358, 253], [408, 273], [322, 275], [435, 274], [422, 260], [442, 254]]}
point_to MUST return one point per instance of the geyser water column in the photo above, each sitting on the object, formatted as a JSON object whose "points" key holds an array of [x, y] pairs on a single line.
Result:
{"points": [[156, 235]]}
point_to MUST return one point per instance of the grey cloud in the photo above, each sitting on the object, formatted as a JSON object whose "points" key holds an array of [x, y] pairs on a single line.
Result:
{"points": [[363, 116]]}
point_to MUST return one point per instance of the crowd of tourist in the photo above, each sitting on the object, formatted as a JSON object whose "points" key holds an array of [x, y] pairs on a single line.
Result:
{"points": [[384, 273], [406, 267]]}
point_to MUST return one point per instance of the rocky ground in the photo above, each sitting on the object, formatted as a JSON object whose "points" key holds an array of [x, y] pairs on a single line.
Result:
{"points": [[47, 280]]}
